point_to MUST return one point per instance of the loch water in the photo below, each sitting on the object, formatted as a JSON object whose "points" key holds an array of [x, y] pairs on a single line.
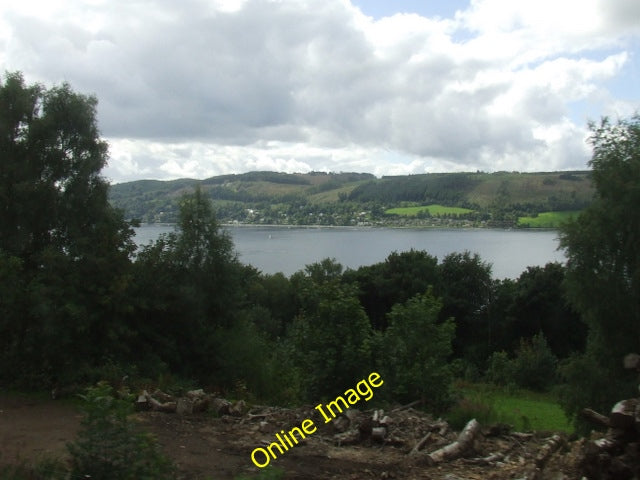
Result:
{"points": [[289, 249]]}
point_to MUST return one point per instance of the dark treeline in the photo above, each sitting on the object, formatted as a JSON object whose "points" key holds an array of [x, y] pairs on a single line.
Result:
{"points": [[79, 303]]}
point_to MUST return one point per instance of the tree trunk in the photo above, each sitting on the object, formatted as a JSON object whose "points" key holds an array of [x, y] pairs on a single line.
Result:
{"points": [[460, 446]]}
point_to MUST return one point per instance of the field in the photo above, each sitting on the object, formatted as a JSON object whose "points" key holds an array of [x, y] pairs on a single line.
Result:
{"points": [[434, 210], [523, 410], [547, 219]]}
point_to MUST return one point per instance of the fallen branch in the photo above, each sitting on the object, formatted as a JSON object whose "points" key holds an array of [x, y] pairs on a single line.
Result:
{"points": [[406, 407], [595, 417], [489, 460], [420, 444], [459, 447]]}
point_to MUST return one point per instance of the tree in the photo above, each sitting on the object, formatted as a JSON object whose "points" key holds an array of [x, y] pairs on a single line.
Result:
{"points": [[603, 263], [72, 247], [188, 285], [397, 279], [540, 305], [331, 339], [416, 351], [465, 286]]}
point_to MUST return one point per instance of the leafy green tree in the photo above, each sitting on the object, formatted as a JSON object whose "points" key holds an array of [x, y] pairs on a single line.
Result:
{"points": [[397, 279], [331, 339], [534, 366], [188, 284], [540, 305], [464, 284], [603, 264], [73, 249], [416, 349]]}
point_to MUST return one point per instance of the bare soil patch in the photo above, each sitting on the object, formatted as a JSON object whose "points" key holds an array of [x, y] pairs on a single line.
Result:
{"points": [[205, 447]]}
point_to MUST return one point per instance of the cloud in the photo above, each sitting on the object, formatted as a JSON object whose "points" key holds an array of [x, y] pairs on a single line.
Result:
{"points": [[198, 88]]}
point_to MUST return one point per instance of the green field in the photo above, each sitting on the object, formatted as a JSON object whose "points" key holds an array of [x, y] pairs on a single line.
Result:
{"points": [[435, 210], [521, 409], [547, 219]]}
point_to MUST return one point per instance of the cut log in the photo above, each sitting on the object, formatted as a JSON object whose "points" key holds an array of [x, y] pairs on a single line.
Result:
{"points": [[623, 414], [350, 437], [162, 397], [632, 361], [551, 446], [238, 408], [142, 403], [220, 406], [379, 433], [341, 424], [184, 406], [458, 448], [595, 417], [166, 407], [201, 404], [195, 394]]}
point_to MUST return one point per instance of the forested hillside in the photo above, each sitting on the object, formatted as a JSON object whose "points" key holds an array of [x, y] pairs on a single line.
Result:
{"points": [[317, 198]]}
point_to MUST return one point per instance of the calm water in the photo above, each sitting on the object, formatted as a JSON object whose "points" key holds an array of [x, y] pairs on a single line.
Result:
{"points": [[287, 250]]}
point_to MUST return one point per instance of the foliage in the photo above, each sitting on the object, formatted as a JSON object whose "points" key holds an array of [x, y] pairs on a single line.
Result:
{"points": [[500, 369], [534, 366], [465, 287], [188, 287], [45, 469], [603, 267], [57, 230], [540, 305], [108, 445], [397, 279], [416, 352], [330, 338]]}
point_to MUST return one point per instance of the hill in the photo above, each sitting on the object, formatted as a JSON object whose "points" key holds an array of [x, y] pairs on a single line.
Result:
{"points": [[317, 198]]}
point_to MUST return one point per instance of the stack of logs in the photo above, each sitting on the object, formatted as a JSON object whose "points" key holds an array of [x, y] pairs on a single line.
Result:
{"points": [[194, 401], [616, 455]]}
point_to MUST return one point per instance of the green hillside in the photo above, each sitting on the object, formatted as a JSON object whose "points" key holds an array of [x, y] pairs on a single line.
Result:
{"points": [[478, 199]]}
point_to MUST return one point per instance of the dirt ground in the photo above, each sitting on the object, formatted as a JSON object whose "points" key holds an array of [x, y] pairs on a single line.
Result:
{"points": [[205, 447]]}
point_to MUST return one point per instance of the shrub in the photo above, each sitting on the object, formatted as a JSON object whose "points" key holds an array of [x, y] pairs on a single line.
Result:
{"points": [[417, 348], [108, 446], [535, 364], [500, 371]]}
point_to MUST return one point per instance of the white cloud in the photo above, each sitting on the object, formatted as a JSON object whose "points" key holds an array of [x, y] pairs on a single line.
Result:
{"points": [[198, 88]]}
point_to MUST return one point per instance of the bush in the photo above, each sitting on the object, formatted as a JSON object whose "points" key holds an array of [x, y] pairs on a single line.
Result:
{"points": [[500, 371], [417, 349], [108, 446], [535, 364], [469, 408]]}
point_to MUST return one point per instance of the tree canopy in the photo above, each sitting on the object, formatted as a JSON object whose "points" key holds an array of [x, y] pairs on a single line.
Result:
{"points": [[65, 246], [603, 250]]}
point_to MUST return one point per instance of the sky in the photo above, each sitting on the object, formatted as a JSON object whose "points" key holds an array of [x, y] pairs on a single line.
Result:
{"points": [[197, 88]]}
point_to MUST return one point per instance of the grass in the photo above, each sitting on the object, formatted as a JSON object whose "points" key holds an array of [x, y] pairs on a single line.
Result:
{"points": [[435, 210], [524, 410], [547, 219]]}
